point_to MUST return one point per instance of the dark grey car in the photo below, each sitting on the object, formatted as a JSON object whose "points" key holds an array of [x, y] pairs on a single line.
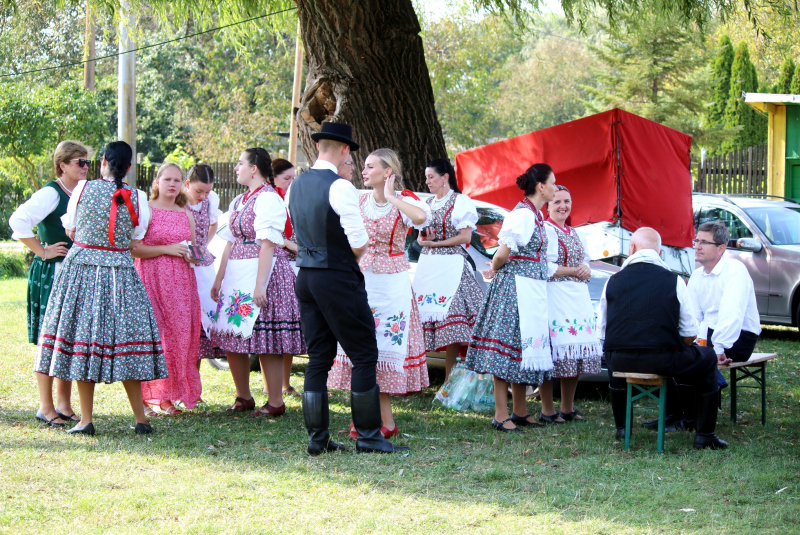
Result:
{"points": [[765, 237]]}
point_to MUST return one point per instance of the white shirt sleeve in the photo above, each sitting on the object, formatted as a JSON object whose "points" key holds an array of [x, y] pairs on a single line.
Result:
{"points": [[270, 217], [687, 326], [517, 229], [144, 216], [464, 214], [213, 207], [225, 232], [69, 219], [344, 201], [31, 212], [419, 204], [552, 249], [602, 312], [736, 286]]}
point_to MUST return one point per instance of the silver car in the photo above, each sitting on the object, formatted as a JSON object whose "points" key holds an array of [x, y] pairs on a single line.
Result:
{"points": [[765, 237]]}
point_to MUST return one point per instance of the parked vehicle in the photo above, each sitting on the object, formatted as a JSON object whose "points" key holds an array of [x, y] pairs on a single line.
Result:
{"points": [[481, 250], [765, 237]]}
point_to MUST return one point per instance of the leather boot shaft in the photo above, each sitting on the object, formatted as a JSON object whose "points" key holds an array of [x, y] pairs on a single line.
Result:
{"points": [[707, 422], [619, 398], [366, 411], [316, 417]]}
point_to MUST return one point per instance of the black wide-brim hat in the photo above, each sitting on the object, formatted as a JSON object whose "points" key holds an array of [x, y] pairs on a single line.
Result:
{"points": [[337, 132]]}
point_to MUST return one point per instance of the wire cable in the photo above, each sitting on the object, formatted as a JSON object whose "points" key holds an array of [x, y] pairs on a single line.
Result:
{"points": [[144, 47]]}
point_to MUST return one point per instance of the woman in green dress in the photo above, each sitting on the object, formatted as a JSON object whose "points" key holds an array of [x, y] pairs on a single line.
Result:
{"points": [[43, 211]]}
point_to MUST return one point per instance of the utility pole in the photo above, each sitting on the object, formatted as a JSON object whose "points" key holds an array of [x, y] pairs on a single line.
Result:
{"points": [[126, 86], [89, 52], [296, 92]]}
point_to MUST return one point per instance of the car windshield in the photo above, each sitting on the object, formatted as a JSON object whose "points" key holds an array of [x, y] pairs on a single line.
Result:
{"points": [[484, 238], [779, 223], [597, 283]]}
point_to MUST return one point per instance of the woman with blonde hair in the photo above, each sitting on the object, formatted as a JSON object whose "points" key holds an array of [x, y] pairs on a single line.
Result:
{"points": [[44, 210], [402, 366], [164, 265]]}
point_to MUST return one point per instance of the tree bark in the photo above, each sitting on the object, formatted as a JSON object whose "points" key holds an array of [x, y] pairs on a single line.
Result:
{"points": [[366, 68]]}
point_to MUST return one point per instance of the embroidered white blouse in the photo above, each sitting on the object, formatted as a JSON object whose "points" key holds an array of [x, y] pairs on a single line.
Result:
{"points": [[213, 210], [69, 219], [270, 218], [373, 212], [552, 248]]}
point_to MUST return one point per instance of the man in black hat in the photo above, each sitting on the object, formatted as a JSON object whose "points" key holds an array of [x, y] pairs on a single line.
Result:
{"points": [[330, 237]]}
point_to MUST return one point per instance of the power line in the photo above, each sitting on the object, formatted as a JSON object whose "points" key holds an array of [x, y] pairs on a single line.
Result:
{"points": [[74, 63]]}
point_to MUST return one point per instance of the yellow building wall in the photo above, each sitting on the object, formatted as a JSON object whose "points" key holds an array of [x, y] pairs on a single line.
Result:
{"points": [[776, 164]]}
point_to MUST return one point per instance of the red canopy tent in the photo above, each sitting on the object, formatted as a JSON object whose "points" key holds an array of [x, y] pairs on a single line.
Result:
{"points": [[617, 165]]}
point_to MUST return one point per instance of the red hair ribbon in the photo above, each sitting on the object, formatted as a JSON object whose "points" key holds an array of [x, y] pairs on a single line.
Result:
{"points": [[112, 221], [287, 229]]}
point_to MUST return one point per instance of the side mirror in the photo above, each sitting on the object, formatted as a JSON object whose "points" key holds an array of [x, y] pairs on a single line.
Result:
{"points": [[749, 244]]}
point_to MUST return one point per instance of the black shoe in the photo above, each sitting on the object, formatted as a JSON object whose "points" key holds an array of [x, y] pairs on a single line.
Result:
{"points": [[619, 398], [549, 419], [143, 429], [522, 421], [68, 418], [366, 411], [316, 415], [620, 434], [499, 426], [42, 418], [570, 416], [707, 423], [87, 429], [671, 423]]}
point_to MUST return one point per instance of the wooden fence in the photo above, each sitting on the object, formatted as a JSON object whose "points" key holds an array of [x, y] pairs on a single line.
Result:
{"points": [[741, 171]]}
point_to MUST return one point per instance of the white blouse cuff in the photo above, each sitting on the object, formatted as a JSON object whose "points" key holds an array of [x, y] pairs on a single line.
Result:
{"points": [[509, 242], [552, 267], [270, 234], [466, 224]]}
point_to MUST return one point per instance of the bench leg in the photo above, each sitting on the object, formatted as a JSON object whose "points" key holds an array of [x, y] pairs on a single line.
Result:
{"points": [[662, 412], [628, 417], [733, 395]]}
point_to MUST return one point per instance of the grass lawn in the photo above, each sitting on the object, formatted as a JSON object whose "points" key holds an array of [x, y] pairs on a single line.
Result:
{"points": [[209, 472]]}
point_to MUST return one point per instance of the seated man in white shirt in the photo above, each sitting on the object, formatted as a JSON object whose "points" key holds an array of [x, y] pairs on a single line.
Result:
{"points": [[723, 295]]}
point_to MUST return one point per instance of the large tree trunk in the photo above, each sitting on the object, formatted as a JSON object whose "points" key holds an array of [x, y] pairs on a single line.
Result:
{"points": [[366, 68]]}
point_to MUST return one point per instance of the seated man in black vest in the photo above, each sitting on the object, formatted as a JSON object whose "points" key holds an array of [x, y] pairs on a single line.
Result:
{"points": [[330, 236], [646, 322]]}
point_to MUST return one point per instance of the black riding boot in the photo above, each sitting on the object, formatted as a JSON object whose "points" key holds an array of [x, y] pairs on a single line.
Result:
{"points": [[315, 414], [707, 422], [689, 400], [366, 409], [619, 397]]}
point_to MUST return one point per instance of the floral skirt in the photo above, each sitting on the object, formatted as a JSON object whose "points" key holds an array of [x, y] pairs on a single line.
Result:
{"points": [[100, 327], [573, 368], [40, 283], [206, 349], [277, 329], [461, 316], [496, 346], [414, 376]]}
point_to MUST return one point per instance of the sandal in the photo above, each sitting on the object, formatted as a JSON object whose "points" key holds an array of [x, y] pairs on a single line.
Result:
{"points": [[72, 417], [570, 416], [522, 421], [549, 419], [269, 410], [499, 426], [51, 422], [242, 405], [387, 433], [149, 412], [170, 410], [291, 392]]}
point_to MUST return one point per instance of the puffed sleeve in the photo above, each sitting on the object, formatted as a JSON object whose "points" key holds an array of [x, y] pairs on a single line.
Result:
{"points": [[144, 216], [225, 232], [213, 207], [419, 204], [517, 229], [552, 250], [464, 214], [270, 217], [31, 212], [69, 219], [586, 257]]}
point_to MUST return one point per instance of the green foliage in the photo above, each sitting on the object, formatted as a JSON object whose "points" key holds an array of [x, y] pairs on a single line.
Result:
{"points": [[181, 157], [12, 264], [722, 81], [744, 79], [794, 89], [784, 85]]}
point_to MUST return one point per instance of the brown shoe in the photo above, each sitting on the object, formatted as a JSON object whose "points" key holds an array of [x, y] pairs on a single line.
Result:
{"points": [[242, 405], [269, 410]]}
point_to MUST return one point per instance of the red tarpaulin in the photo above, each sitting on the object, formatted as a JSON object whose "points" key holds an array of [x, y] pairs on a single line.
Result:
{"points": [[655, 188]]}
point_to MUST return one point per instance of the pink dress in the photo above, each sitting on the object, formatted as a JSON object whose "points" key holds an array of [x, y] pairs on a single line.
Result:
{"points": [[172, 288]]}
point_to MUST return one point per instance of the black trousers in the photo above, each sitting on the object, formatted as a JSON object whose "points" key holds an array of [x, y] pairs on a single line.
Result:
{"points": [[694, 365], [741, 349], [334, 307]]}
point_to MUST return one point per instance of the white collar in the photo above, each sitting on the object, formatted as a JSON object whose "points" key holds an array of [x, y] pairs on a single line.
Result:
{"points": [[718, 268], [325, 164], [645, 255]]}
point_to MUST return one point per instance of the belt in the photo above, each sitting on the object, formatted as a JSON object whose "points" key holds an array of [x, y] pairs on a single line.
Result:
{"points": [[102, 248], [640, 351]]}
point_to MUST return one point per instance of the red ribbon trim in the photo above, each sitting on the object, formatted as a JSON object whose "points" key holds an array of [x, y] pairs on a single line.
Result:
{"points": [[112, 221], [287, 229]]}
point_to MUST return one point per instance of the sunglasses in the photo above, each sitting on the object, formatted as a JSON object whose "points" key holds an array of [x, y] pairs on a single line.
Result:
{"points": [[82, 162]]}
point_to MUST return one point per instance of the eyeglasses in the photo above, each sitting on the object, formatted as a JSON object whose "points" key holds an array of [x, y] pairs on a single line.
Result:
{"points": [[82, 162], [349, 163], [704, 242]]}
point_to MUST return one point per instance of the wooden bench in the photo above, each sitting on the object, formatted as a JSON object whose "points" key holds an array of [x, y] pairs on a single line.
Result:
{"points": [[645, 385], [755, 369]]}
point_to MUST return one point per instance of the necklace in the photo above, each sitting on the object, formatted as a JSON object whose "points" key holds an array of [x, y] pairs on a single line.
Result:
{"points": [[438, 203], [69, 191], [376, 210]]}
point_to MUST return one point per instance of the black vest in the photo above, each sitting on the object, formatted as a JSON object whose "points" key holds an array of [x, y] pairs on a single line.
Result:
{"points": [[643, 309], [321, 241], [51, 230]]}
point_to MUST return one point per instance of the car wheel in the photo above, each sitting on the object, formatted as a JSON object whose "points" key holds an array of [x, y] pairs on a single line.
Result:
{"points": [[222, 364]]}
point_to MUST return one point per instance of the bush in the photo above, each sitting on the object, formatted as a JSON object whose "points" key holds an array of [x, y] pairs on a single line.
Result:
{"points": [[12, 264]]}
